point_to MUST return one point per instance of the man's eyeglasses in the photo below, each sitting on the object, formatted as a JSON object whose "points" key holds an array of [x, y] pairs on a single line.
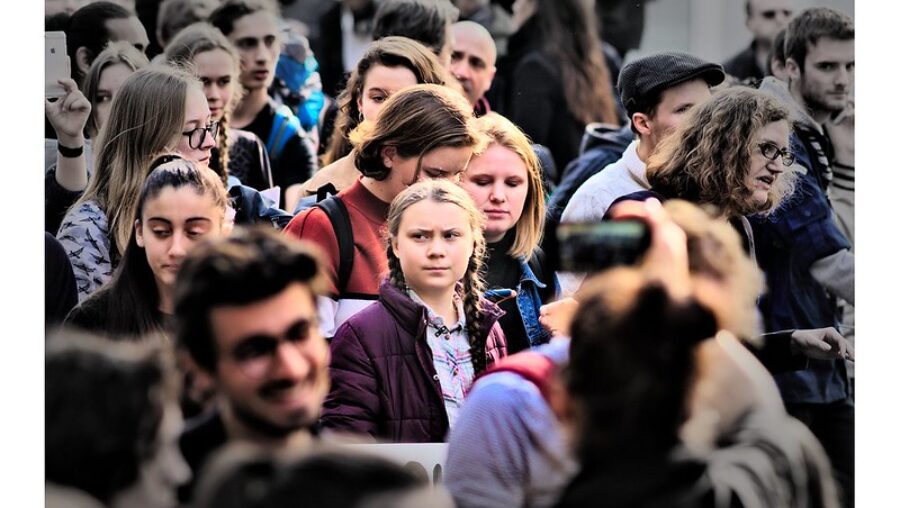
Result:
{"points": [[771, 152], [770, 14], [256, 355], [196, 136]]}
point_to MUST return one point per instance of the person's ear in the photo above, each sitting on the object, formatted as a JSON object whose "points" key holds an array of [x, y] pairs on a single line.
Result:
{"points": [[388, 155], [641, 122], [793, 69], [394, 244], [138, 233], [202, 383], [82, 60]]}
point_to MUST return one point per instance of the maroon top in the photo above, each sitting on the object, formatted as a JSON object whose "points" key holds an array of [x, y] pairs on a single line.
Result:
{"points": [[383, 381]]}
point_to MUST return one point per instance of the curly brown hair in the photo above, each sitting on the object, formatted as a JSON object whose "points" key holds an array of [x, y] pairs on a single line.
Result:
{"points": [[707, 158]]}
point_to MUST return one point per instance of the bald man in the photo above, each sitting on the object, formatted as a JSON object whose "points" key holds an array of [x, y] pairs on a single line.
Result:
{"points": [[473, 61]]}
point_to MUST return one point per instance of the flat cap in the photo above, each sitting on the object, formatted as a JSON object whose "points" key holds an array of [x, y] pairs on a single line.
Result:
{"points": [[651, 74]]}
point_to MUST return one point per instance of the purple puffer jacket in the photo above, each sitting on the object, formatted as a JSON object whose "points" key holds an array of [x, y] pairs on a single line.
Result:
{"points": [[383, 381]]}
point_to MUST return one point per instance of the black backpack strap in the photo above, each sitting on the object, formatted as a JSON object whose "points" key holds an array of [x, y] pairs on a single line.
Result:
{"points": [[337, 214], [323, 192]]}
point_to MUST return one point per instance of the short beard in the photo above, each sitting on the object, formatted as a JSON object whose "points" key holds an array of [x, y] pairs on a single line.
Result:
{"points": [[261, 426], [813, 103]]}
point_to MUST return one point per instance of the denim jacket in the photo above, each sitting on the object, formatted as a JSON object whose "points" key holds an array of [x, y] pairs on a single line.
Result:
{"points": [[529, 303]]}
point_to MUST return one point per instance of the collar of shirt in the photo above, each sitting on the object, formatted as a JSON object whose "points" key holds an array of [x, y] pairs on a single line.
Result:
{"points": [[436, 322]]}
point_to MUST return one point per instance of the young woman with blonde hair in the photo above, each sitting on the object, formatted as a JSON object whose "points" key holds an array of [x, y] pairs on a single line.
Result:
{"points": [[97, 227], [402, 367], [505, 183]]}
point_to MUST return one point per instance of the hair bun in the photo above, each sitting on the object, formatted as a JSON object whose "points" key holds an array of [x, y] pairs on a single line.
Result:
{"points": [[691, 322], [658, 315]]}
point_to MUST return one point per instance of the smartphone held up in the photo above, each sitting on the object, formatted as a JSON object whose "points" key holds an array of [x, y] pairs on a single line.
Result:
{"points": [[56, 64], [590, 247]]}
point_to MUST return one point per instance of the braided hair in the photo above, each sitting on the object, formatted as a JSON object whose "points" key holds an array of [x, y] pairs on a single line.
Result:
{"points": [[198, 38], [442, 191], [224, 147]]}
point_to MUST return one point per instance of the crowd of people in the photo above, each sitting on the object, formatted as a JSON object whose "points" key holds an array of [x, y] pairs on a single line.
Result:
{"points": [[270, 238]]}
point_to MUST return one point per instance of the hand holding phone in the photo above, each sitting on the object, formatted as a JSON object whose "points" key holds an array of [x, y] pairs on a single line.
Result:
{"points": [[68, 114]]}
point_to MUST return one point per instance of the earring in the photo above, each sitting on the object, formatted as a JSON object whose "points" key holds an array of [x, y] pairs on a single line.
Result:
{"points": [[361, 119]]}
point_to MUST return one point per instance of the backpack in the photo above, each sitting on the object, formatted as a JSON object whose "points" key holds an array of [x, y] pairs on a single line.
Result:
{"points": [[284, 127], [326, 199]]}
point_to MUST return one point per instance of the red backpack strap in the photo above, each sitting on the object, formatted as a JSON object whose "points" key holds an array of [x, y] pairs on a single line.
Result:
{"points": [[534, 367]]}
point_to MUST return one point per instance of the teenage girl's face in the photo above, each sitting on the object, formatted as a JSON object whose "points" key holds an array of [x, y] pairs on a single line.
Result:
{"points": [[170, 224], [379, 84], [497, 180], [196, 115], [444, 162], [111, 79], [434, 243], [215, 69]]}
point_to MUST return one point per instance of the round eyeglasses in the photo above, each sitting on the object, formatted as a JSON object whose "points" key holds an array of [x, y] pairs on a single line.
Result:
{"points": [[196, 136], [771, 152]]}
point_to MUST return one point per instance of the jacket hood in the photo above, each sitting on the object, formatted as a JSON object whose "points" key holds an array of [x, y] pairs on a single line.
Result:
{"points": [[778, 89], [411, 314], [604, 135]]}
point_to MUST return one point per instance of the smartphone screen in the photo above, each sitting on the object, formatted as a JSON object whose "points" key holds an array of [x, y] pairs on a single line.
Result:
{"points": [[592, 247], [56, 64]]}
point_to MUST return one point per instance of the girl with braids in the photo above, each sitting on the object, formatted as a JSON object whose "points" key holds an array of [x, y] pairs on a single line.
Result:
{"points": [[202, 49], [505, 183], [180, 203], [388, 65], [402, 367]]}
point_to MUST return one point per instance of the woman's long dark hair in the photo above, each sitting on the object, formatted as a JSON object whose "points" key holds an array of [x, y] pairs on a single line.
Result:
{"points": [[130, 301], [569, 34]]}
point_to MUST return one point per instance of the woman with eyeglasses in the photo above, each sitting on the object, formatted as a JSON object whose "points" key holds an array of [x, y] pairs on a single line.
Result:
{"points": [[180, 203], [203, 49], [732, 153], [158, 110]]}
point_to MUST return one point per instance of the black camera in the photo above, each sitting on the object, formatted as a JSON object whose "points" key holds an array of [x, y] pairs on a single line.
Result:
{"points": [[596, 246]]}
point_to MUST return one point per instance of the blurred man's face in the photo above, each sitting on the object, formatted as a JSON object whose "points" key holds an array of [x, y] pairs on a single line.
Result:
{"points": [[767, 17], [272, 369], [468, 7], [674, 106], [128, 29], [472, 60]]}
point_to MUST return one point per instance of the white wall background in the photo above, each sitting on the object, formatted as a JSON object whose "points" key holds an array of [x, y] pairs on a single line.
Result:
{"points": [[711, 29]]}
